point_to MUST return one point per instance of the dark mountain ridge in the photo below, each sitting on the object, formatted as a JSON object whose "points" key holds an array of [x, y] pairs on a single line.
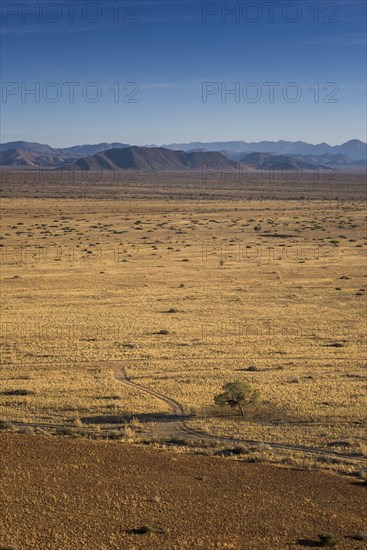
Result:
{"points": [[148, 159]]}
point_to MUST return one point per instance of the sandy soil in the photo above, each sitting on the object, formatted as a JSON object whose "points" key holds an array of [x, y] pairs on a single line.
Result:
{"points": [[65, 494]]}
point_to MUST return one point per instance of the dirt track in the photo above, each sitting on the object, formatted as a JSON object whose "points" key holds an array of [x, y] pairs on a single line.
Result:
{"points": [[175, 426], [178, 427]]}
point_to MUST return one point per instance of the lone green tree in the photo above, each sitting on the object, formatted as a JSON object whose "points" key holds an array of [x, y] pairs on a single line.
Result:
{"points": [[237, 394]]}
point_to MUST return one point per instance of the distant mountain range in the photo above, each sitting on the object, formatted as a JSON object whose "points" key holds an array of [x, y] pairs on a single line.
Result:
{"points": [[355, 149], [112, 156], [76, 151], [306, 162]]}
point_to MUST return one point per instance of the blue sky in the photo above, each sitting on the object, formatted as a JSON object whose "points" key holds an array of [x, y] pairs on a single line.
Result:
{"points": [[175, 63]]}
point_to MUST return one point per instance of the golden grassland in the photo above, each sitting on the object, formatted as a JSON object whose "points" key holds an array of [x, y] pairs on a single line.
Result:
{"points": [[187, 287]]}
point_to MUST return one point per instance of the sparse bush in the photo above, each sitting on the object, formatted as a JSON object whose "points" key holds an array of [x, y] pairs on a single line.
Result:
{"points": [[144, 530], [362, 474], [27, 430], [177, 441], [362, 450], [335, 345], [359, 536], [129, 433], [4, 425], [327, 539], [240, 450], [18, 392], [77, 422], [136, 425], [64, 431]]}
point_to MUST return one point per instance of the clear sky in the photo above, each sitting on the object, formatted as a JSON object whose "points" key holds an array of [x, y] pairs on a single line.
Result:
{"points": [[159, 72]]}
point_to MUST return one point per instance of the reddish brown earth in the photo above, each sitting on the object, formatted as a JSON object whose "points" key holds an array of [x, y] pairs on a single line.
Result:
{"points": [[60, 493]]}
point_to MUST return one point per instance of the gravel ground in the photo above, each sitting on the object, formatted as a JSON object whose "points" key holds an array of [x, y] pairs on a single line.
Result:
{"points": [[60, 493]]}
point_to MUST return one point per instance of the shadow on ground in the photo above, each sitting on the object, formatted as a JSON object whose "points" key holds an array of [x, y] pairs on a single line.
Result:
{"points": [[308, 543], [125, 419]]}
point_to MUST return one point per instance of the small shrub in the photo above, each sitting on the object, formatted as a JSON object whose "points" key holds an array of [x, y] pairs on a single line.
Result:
{"points": [[64, 431], [224, 452], [4, 425], [360, 536], [129, 433], [327, 539], [335, 345], [78, 423], [18, 392], [362, 476], [27, 430], [362, 450], [177, 441], [136, 425], [240, 450], [144, 530]]}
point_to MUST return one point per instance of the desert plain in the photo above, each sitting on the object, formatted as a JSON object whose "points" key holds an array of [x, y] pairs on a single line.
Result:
{"points": [[128, 302]]}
